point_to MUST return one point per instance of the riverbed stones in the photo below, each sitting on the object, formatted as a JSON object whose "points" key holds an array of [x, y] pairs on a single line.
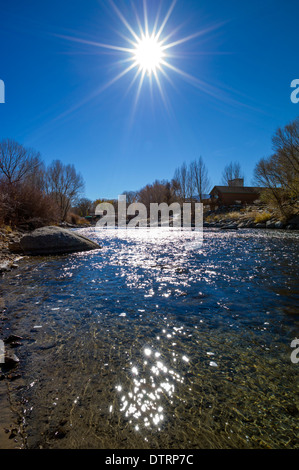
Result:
{"points": [[5, 267], [270, 224], [53, 241], [11, 359], [12, 339]]}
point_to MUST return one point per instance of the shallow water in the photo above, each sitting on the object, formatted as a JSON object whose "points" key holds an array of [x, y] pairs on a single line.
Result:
{"points": [[146, 344]]}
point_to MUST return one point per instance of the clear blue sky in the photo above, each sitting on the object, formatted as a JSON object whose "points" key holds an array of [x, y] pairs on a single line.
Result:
{"points": [[58, 101]]}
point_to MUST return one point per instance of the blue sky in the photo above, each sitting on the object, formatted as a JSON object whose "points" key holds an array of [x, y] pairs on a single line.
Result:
{"points": [[59, 102]]}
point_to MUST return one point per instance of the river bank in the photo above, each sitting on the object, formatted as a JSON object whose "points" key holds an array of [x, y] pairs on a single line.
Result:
{"points": [[9, 420], [8, 236], [250, 217], [7, 258]]}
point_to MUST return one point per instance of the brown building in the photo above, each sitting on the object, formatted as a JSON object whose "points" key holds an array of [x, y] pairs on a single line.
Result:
{"points": [[235, 193]]}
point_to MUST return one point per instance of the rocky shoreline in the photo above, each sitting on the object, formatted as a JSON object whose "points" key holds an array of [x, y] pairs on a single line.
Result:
{"points": [[8, 260], [9, 430], [232, 225], [252, 217], [10, 238]]}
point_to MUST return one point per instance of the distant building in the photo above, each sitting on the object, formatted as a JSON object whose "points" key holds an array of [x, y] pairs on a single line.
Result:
{"points": [[235, 193], [236, 182]]}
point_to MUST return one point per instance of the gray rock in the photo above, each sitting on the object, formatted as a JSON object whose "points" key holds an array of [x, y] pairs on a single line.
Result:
{"points": [[279, 224], [229, 227], [12, 339], [53, 241], [250, 224], [270, 224], [5, 267], [11, 359], [260, 225]]}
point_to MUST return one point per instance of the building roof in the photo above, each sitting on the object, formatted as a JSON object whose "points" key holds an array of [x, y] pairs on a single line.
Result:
{"points": [[237, 189]]}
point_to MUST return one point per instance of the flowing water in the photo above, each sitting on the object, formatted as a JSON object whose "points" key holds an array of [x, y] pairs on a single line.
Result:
{"points": [[146, 344]]}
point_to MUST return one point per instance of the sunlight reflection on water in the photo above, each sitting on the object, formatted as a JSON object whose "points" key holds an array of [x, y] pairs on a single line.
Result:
{"points": [[144, 343], [149, 388]]}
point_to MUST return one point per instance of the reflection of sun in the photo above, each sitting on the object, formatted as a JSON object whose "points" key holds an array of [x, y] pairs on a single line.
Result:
{"points": [[150, 390]]}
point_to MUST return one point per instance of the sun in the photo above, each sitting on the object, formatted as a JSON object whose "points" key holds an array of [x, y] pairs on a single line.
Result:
{"points": [[148, 54], [146, 51]]}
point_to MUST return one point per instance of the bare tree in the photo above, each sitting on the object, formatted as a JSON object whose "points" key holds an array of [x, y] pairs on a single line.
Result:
{"points": [[231, 171], [201, 178], [175, 190], [17, 162], [169, 196], [64, 184], [190, 181], [285, 143], [151, 193], [279, 173], [82, 207], [181, 181], [131, 196], [264, 176]]}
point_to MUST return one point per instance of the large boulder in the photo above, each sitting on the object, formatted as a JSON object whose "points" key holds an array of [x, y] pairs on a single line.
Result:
{"points": [[53, 241]]}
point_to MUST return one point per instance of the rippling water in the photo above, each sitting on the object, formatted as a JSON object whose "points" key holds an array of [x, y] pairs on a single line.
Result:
{"points": [[145, 344]]}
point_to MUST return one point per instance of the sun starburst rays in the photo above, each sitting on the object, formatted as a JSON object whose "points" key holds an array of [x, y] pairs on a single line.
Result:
{"points": [[148, 49]]}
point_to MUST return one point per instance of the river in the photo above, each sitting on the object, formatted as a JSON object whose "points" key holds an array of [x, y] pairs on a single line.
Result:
{"points": [[148, 344]]}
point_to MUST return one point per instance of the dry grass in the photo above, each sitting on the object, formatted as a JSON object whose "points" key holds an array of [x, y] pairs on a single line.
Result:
{"points": [[254, 215], [229, 216], [75, 219], [262, 217]]}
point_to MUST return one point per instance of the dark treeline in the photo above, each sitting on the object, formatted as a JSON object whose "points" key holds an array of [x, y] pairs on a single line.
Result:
{"points": [[32, 193]]}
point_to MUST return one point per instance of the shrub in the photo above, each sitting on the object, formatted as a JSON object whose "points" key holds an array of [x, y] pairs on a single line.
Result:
{"points": [[25, 204], [262, 217], [75, 219]]}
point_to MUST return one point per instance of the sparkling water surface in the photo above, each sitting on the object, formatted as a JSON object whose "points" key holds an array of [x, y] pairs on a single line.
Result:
{"points": [[147, 343]]}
